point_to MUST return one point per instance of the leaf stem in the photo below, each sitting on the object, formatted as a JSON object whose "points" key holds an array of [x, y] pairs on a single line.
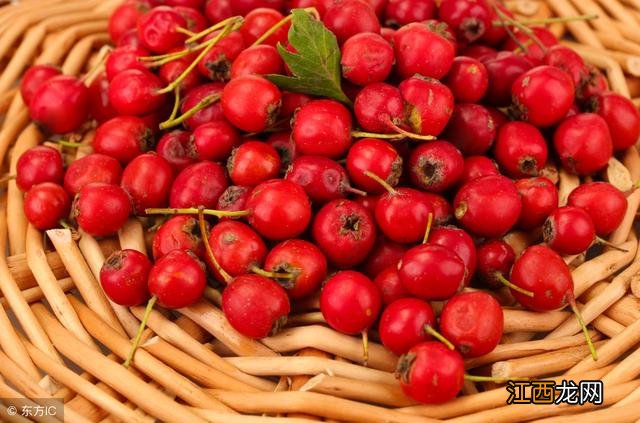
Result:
{"points": [[510, 285], [431, 331], [428, 230], [202, 104], [214, 262], [213, 28], [194, 210], [381, 181], [143, 325], [574, 307]]}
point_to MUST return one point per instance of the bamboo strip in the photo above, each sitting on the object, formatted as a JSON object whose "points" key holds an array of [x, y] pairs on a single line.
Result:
{"points": [[10, 129], [19, 378], [145, 362], [6, 99], [131, 236], [630, 63], [81, 274], [296, 382], [175, 335], [623, 231], [11, 396], [624, 371], [590, 7], [579, 29], [31, 295], [618, 11], [81, 51], [49, 284], [628, 413], [568, 182], [614, 72], [626, 310], [618, 175], [328, 340], [532, 321], [149, 399]]}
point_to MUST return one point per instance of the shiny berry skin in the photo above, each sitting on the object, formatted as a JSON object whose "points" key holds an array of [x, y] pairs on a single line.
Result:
{"points": [[91, 168], [375, 156], [200, 184], [428, 104], [157, 29], [176, 148], [569, 230], [262, 59], [191, 12], [322, 179], [218, 10], [402, 324], [539, 198], [543, 95], [123, 138], [251, 103], [322, 128], [124, 276], [351, 17], [99, 105], [35, 76], [123, 18], [366, 58], [178, 279], [301, 259], [605, 204], [431, 373], [291, 102], [242, 7], [45, 205], [345, 232], [432, 272], [583, 143], [378, 107], [472, 129], [255, 306], [477, 167], [60, 104], [252, 163], [489, 206], [622, 117], [279, 209], [123, 58], [494, 257], [473, 322], [178, 233], [435, 166], [520, 149], [568, 60], [101, 209], [388, 282], [421, 50], [37, 165], [468, 79], [236, 247], [134, 92], [542, 271], [468, 18], [384, 254], [459, 241], [259, 21], [402, 12], [350, 302], [403, 214], [503, 68], [211, 113], [534, 53], [147, 179], [215, 140]]}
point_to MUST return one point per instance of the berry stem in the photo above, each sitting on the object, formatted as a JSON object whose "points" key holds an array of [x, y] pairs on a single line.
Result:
{"points": [[222, 24], [574, 307], [508, 284], [205, 239], [525, 29], [272, 30], [176, 106], [194, 210], [431, 331], [428, 230], [606, 243], [273, 275], [93, 73], [202, 104], [143, 325], [356, 191], [363, 134], [365, 348], [185, 31], [411, 135], [381, 181], [551, 20], [70, 144]]}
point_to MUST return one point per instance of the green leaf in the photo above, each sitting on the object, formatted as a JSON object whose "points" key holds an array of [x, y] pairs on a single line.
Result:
{"points": [[316, 65]]}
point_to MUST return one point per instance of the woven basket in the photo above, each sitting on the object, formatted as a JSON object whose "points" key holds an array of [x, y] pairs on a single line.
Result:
{"points": [[61, 338]]}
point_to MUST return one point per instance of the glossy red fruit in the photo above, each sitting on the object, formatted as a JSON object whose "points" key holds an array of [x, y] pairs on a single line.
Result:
{"points": [[255, 306], [191, 12], [291, 102], [135, 92], [178, 233], [473, 322], [99, 106], [520, 150], [350, 302], [543, 95], [147, 179], [124, 276], [431, 373], [622, 117], [605, 204], [468, 18], [91, 168], [459, 241], [379, 107], [422, 50], [177, 280], [45, 204], [216, 63], [385, 254], [200, 184], [172, 70], [176, 147], [402, 324], [402, 215], [435, 166], [322, 128], [594, 84], [390, 286], [539, 198], [157, 29], [583, 143], [210, 113], [477, 167], [345, 232], [375, 156], [402, 12], [351, 17], [428, 104], [535, 54], [259, 21], [366, 58], [34, 77], [123, 138], [101, 209], [218, 10], [301, 259], [503, 68], [251, 103], [214, 141], [262, 59], [472, 210], [567, 59], [495, 258], [123, 58], [569, 230], [472, 128], [322, 179], [37, 165], [252, 163], [468, 80], [60, 104], [236, 247], [279, 209], [123, 18], [432, 272]]}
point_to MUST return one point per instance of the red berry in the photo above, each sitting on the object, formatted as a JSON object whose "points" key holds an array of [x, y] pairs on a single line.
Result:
{"points": [[468, 79], [100, 107], [176, 147], [402, 12], [520, 149], [402, 324], [459, 241], [262, 59], [178, 233], [210, 113], [534, 53], [123, 138], [91, 168], [468, 18], [252, 163], [177, 279], [351, 17], [135, 92], [33, 78], [60, 104], [123, 58], [402, 215], [477, 167], [375, 156], [37, 165], [605, 204], [379, 107], [215, 140], [495, 258], [259, 21], [366, 58], [101, 209], [472, 129], [539, 198], [621, 116], [200, 184], [45, 205], [390, 286], [157, 29], [236, 247], [503, 68], [569, 230], [147, 179], [234, 198], [568, 60], [322, 179], [421, 50], [251, 103], [322, 128], [428, 104], [123, 18], [435, 166], [124, 276], [216, 63]]}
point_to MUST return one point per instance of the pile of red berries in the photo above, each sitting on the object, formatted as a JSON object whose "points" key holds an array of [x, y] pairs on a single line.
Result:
{"points": [[336, 185]]}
